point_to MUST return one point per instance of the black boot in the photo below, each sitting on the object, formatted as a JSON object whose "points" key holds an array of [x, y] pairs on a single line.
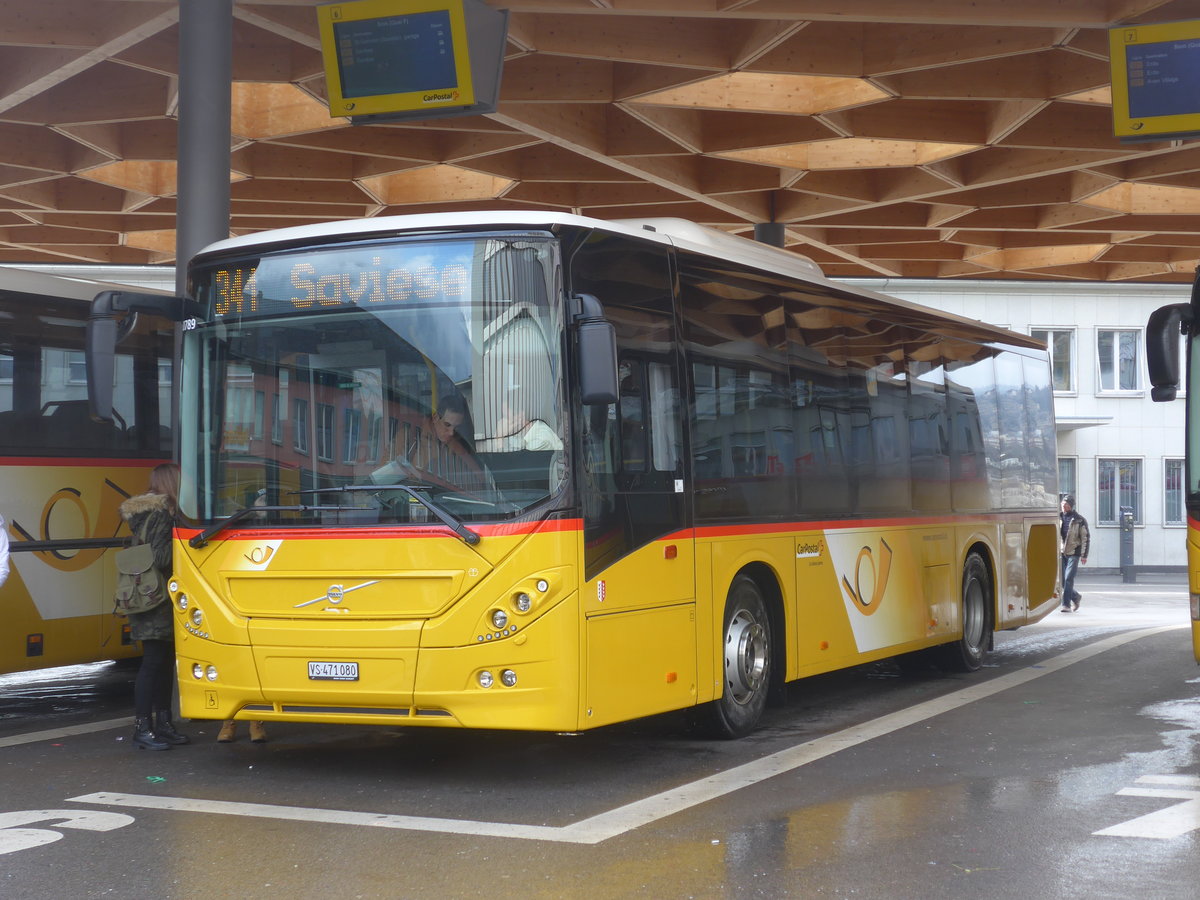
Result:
{"points": [[164, 729], [144, 737]]}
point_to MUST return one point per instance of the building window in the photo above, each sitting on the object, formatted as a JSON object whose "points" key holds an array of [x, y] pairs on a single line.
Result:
{"points": [[1067, 483], [300, 425], [76, 368], [1173, 511], [1062, 364], [325, 431], [1120, 486], [351, 430], [277, 410], [6, 369], [374, 436], [1117, 353], [260, 403]]}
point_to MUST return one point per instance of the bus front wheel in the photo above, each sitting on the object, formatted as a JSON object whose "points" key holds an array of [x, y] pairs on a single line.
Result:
{"points": [[745, 660], [967, 653]]}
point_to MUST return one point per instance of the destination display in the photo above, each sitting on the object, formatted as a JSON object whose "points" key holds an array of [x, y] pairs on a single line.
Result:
{"points": [[1163, 78], [397, 54], [366, 277]]}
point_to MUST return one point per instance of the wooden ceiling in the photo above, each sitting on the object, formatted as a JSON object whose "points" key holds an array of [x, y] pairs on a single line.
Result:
{"points": [[930, 138]]}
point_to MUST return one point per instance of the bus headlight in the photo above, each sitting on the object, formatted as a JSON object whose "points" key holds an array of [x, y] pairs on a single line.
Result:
{"points": [[499, 619], [211, 673], [183, 602], [508, 678], [486, 679], [197, 617], [523, 602], [197, 671]]}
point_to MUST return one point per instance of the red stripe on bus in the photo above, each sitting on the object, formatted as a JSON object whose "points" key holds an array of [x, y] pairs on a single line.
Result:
{"points": [[510, 529], [506, 529]]}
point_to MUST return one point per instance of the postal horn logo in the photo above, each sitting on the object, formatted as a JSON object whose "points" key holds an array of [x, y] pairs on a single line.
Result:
{"points": [[877, 578]]}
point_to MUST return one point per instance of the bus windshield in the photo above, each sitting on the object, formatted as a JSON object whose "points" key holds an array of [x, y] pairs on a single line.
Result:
{"points": [[372, 383]]}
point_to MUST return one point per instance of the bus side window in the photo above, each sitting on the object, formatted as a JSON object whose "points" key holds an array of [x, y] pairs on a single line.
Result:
{"points": [[632, 411]]}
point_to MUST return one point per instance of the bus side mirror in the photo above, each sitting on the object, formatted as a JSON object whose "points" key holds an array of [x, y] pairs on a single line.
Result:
{"points": [[1162, 348], [111, 320], [597, 343]]}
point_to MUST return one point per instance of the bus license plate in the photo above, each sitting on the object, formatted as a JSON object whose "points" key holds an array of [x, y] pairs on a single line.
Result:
{"points": [[333, 671]]}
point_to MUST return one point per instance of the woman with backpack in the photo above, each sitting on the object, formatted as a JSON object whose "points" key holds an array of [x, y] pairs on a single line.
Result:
{"points": [[151, 519]]}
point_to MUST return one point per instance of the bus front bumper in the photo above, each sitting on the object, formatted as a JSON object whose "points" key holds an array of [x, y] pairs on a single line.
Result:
{"points": [[527, 681]]}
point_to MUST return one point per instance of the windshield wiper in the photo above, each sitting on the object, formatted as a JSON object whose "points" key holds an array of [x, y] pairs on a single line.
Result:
{"points": [[207, 534], [413, 490]]}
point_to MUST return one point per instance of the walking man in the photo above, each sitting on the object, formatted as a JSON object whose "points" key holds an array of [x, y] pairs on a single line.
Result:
{"points": [[1075, 538]]}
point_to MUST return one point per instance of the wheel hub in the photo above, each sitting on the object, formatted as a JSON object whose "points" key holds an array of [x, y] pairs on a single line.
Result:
{"points": [[746, 654]]}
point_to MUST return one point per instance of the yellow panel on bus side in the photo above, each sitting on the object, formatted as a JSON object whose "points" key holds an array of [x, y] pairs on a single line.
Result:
{"points": [[1042, 566], [57, 606], [824, 637], [640, 663]]}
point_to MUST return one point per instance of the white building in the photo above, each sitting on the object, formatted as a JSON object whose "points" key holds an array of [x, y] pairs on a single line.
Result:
{"points": [[1116, 447]]}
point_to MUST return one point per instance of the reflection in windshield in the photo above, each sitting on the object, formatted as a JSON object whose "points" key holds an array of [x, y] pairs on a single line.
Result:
{"points": [[455, 389]]}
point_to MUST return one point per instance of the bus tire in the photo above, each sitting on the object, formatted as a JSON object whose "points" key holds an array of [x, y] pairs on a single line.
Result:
{"points": [[968, 652], [746, 659]]}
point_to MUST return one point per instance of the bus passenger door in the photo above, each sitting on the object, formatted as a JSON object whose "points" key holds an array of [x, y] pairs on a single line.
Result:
{"points": [[638, 594]]}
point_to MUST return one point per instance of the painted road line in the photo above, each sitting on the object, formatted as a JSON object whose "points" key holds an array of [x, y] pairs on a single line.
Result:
{"points": [[1173, 821], [643, 812], [326, 816], [54, 734]]}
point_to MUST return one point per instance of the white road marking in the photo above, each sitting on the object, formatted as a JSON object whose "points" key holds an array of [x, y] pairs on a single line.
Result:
{"points": [[1172, 822], [634, 815], [325, 816], [53, 734], [15, 836]]}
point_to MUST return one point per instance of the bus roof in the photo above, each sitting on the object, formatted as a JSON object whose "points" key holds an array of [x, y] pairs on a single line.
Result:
{"points": [[15, 280], [677, 232]]}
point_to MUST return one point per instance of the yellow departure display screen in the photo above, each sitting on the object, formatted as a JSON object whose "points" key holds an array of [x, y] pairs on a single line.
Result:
{"points": [[366, 277], [388, 56], [1155, 70]]}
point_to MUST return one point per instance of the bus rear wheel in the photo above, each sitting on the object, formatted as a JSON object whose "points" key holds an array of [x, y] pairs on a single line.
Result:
{"points": [[968, 652], [745, 660]]}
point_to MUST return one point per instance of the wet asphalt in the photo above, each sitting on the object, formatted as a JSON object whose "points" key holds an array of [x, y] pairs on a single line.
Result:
{"points": [[1067, 768]]}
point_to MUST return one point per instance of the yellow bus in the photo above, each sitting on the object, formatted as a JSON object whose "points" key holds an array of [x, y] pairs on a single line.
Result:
{"points": [[529, 470], [1172, 329], [63, 475]]}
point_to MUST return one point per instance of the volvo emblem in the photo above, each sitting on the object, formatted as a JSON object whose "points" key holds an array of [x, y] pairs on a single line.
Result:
{"points": [[334, 594]]}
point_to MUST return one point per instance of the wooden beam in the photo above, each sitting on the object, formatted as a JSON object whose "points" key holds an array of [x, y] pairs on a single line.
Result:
{"points": [[102, 30], [893, 47], [694, 43], [542, 78]]}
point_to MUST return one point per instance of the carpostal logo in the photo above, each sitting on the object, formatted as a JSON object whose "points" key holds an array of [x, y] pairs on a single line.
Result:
{"points": [[811, 550], [440, 97]]}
